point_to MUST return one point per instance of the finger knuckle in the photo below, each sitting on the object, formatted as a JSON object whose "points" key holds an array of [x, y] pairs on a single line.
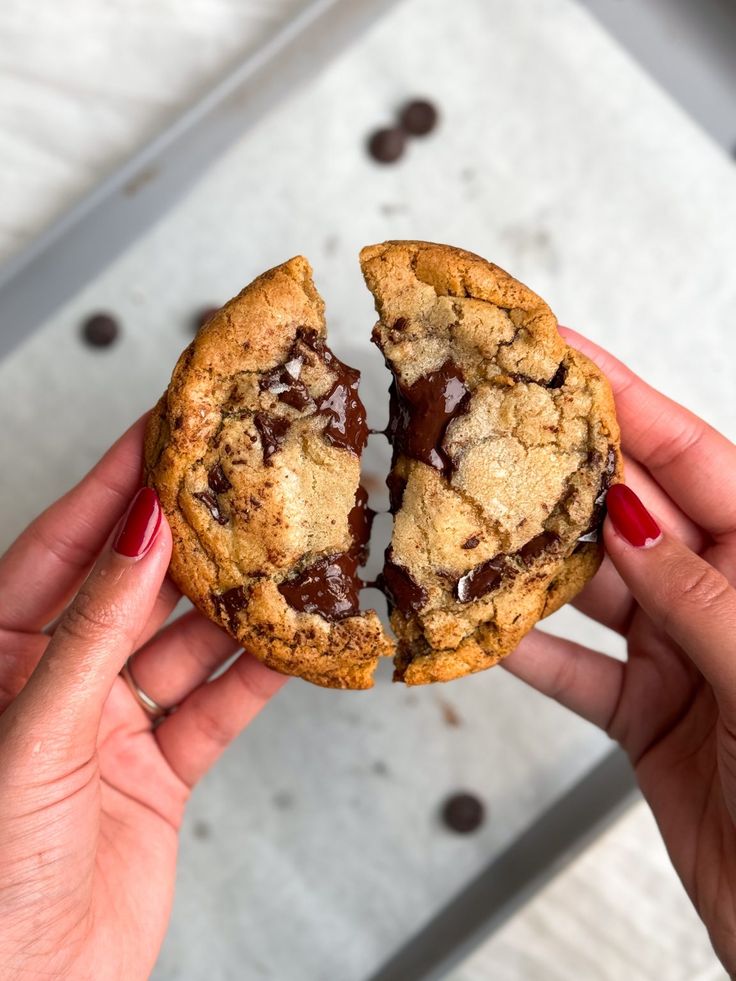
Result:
{"points": [[703, 589], [213, 727], [89, 618]]}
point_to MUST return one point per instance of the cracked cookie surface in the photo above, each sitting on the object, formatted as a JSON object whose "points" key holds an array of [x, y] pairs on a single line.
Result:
{"points": [[505, 440], [254, 451]]}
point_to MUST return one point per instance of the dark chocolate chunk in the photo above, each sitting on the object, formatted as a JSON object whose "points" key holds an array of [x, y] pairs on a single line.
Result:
{"points": [[284, 382], [202, 317], [559, 377], [540, 543], [100, 330], [472, 542], [396, 487], [402, 591], [399, 324], [557, 380], [418, 117], [217, 480], [328, 587], [346, 425], [593, 531], [211, 503], [387, 145], [272, 431], [230, 603], [463, 813], [360, 521], [419, 414], [480, 580]]}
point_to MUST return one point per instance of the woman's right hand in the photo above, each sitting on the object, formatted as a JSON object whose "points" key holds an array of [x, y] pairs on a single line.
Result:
{"points": [[667, 585]]}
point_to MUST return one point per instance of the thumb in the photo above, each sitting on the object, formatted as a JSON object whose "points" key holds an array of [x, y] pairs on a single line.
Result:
{"points": [[58, 712], [682, 594]]}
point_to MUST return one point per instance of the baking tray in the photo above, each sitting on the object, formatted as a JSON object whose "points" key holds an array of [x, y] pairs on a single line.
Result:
{"points": [[345, 773]]}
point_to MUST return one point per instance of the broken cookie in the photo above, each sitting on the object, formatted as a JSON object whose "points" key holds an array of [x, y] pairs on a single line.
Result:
{"points": [[504, 440], [504, 444]]}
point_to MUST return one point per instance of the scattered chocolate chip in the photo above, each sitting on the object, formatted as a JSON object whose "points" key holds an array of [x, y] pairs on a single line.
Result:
{"points": [[217, 480], [540, 543], [480, 580], [230, 603], [402, 591], [419, 414], [272, 431], [463, 813], [387, 145], [328, 587], [202, 317], [472, 542], [418, 117], [211, 503], [100, 330], [399, 324]]}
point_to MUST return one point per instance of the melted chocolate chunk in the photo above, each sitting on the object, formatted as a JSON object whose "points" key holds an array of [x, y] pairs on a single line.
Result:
{"points": [[217, 480], [419, 414], [328, 587], [230, 603], [272, 431], [346, 425], [211, 503], [472, 542], [537, 545], [396, 487], [593, 531], [284, 382], [402, 591], [360, 521], [480, 580]]}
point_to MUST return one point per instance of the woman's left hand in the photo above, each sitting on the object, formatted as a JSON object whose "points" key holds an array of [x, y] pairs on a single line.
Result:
{"points": [[92, 794]]}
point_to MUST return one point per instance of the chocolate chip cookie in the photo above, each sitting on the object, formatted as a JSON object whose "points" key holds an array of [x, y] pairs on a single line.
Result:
{"points": [[254, 451], [505, 441]]}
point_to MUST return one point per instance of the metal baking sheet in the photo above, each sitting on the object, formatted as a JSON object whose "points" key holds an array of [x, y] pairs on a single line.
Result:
{"points": [[314, 850]]}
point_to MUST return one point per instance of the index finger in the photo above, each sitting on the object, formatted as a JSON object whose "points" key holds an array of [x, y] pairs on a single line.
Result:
{"points": [[691, 460], [45, 566]]}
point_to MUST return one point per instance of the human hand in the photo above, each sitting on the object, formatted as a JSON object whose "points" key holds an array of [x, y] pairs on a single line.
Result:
{"points": [[672, 704], [92, 794]]}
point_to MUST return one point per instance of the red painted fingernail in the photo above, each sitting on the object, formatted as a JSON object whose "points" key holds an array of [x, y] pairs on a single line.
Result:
{"points": [[630, 518], [140, 525]]}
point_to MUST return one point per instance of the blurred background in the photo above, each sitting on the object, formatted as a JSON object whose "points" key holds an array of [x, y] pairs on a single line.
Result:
{"points": [[154, 158]]}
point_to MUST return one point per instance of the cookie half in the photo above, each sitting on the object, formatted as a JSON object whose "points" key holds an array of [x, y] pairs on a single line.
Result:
{"points": [[505, 441], [254, 451]]}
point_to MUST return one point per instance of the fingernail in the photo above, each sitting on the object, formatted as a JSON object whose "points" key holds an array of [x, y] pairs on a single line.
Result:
{"points": [[140, 525], [630, 518]]}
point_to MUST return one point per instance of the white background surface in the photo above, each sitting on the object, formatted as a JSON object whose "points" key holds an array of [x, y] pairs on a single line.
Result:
{"points": [[313, 849]]}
